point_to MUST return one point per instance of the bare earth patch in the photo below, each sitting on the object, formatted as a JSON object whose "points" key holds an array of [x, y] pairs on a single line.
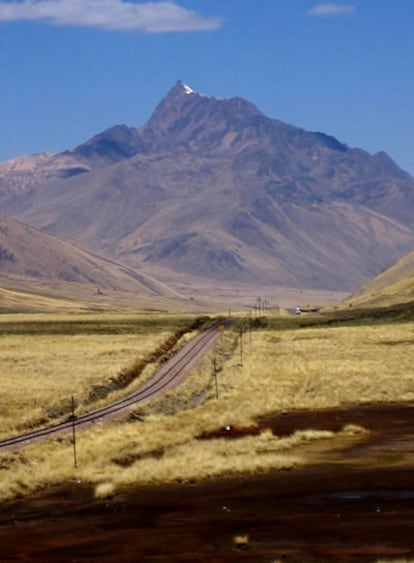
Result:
{"points": [[352, 503]]}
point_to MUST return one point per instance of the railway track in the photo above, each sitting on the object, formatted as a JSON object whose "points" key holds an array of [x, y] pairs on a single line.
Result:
{"points": [[167, 377]]}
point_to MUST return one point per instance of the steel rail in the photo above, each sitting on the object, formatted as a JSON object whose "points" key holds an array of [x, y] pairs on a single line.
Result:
{"points": [[163, 377], [160, 381]]}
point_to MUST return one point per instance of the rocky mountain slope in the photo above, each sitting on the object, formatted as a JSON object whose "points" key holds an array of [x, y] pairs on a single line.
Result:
{"points": [[215, 189]]}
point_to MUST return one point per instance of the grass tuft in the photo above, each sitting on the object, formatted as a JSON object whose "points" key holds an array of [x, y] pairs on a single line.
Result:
{"points": [[241, 542], [104, 490]]}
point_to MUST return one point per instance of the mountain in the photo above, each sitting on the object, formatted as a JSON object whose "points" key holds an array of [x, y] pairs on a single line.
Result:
{"points": [[27, 253], [212, 189]]}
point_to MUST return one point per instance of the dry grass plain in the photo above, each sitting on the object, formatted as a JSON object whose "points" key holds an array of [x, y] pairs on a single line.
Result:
{"points": [[46, 359], [283, 364]]}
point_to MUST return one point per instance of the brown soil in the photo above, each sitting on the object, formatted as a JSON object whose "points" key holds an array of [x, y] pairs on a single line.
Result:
{"points": [[352, 503]]}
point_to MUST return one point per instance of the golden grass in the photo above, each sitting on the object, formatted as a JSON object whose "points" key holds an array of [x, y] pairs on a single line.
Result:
{"points": [[284, 370], [43, 368], [321, 367]]}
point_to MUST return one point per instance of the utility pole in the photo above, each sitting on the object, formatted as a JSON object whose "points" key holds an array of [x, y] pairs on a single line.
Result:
{"points": [[215, 376], [75, 461], [241, 344]]}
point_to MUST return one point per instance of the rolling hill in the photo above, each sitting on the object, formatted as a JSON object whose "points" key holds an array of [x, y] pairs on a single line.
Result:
{"points": [[34, 262], [393, 285]]}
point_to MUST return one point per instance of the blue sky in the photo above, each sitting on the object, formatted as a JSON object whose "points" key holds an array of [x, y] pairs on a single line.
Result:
{"points": [[71, 68]]}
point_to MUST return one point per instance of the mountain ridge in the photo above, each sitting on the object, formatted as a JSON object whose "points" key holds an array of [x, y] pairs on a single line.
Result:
{"points": [[214, 188]]}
